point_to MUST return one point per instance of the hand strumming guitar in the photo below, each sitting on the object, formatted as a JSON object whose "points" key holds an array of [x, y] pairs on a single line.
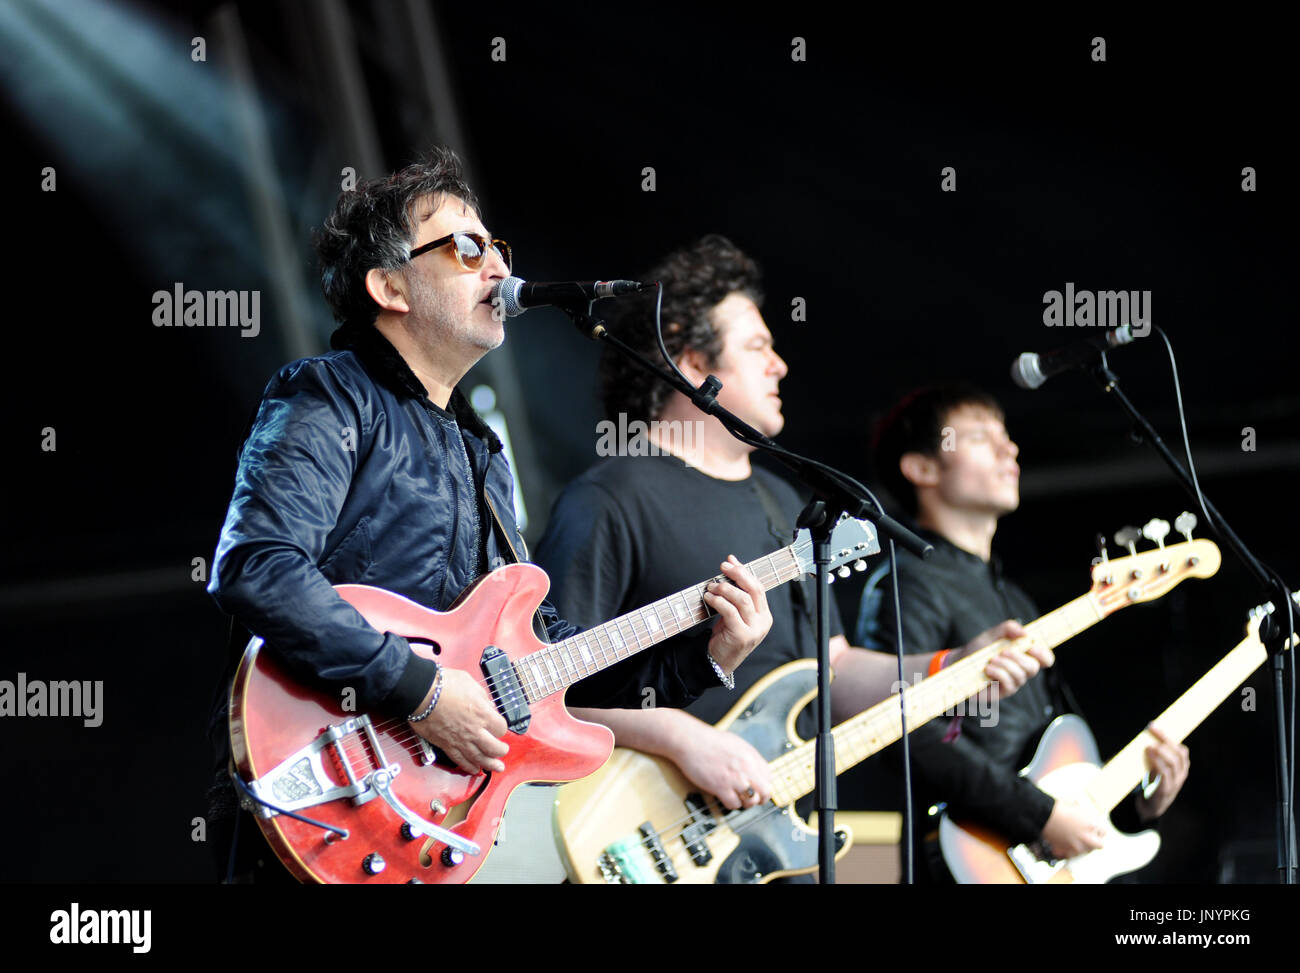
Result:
{"points": [[464, 724]]}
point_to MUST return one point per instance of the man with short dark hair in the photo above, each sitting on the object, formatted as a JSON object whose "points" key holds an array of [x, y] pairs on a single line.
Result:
{"points": [[945, 455], [637, 527], [368, 465]]}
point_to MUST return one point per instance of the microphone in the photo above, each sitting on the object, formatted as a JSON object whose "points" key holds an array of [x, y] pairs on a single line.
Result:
{"points": [[1031, 370], [517, 296]]}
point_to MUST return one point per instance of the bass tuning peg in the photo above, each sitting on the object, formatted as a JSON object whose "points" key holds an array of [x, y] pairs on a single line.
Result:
{"points": [[1128, 537]]}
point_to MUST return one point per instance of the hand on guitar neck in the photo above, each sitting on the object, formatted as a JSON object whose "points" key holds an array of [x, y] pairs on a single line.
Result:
{"points": [[744, 618], [466, 726], [1012, 667], [1171, 760]]}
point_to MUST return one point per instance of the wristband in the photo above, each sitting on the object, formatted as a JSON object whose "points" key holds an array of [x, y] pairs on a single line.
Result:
{"points": [[437, 691], [938, 661]]}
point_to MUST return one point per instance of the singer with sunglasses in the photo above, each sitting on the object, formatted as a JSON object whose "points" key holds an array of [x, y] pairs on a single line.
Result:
{"points": [[367, 465]]}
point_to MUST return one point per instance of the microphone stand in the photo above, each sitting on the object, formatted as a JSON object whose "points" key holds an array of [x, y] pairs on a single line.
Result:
{"points": [[836, 495], [1273, 635]]}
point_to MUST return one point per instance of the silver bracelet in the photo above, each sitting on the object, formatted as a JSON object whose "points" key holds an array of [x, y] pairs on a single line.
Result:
{"points": [[727, 680], [437, 691]]}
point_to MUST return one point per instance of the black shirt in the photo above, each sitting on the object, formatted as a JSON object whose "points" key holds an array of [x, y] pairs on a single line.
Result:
{"points": [[946, 601], [634, 529]]}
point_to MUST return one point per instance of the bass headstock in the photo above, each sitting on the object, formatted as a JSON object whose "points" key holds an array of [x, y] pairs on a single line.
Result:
{"points": [[1261, 612], [1147, 575]]}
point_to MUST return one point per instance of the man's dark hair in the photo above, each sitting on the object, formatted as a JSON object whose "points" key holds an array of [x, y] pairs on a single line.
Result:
{"points": [[695, 279], [915, 425], [375, 226]]}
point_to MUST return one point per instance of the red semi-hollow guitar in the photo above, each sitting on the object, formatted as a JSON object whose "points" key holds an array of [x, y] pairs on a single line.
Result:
{"points": [[402, 813]]}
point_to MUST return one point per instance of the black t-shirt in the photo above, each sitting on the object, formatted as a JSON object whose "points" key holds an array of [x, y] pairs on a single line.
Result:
{"points": [[946, 601], [635, 529]]}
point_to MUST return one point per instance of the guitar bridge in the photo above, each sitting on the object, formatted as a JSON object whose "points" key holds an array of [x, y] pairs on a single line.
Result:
{"points": [[300, 780], [1034, 862]]}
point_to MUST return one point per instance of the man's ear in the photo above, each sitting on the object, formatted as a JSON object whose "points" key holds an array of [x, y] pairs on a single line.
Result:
{"points": [[919, 469], [694, 365], [387, 289]]}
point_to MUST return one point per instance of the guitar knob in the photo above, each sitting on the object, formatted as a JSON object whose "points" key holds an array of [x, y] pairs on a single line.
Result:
{"points": [[373, 864], [451, 857], [843, 571], [409, 833]]}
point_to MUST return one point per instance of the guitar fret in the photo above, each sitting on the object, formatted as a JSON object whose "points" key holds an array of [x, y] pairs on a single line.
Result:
{"points": [[609, 652], [681, 612], [521, 675], [586, 652], [539, 675]]}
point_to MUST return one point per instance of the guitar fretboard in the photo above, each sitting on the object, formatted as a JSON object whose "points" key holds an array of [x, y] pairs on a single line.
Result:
{"points": [[557, 666], [1127, 768], [875, 728]]}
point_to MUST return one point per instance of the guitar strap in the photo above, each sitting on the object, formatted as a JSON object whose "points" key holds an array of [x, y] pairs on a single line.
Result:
{"points": [[539, 623], [783, 530]]}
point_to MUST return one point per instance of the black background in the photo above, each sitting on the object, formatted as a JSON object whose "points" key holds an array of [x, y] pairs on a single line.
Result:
{"points": [[1125, 174]]}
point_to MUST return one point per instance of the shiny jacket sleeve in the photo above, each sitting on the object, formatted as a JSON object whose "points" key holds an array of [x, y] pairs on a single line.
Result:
{"points": [[294, 474], [589, 554]]}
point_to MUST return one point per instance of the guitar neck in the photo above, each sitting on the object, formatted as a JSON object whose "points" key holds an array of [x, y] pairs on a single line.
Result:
{"points": [[1127, 768], [559, 665], [875, 728]]}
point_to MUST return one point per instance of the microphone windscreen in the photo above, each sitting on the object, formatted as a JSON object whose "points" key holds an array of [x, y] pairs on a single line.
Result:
{"points": [[1025, 371]]}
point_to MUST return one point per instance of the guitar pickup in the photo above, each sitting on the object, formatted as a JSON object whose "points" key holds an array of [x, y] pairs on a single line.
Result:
{"points": [[503, 684], [663, 864], [702, 823]]}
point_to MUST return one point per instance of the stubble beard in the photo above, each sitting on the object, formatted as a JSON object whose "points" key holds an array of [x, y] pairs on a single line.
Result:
{"points": [[436, 318]]}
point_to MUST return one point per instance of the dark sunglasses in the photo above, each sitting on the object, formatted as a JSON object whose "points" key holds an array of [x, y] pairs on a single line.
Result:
{"points": [[471, 249]]}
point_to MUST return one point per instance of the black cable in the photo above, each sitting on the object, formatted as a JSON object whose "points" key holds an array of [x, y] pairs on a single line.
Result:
{"points": [[341, 832], [908, 823], [845, 481], [1288, 825]]}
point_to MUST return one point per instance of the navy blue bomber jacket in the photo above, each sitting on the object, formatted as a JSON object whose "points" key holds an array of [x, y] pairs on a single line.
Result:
{"points": [[351, 475]]}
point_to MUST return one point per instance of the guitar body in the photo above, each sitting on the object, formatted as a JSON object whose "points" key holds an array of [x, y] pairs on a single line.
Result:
{"points": [[1065, 763], [598, 820], [273, 717]]}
